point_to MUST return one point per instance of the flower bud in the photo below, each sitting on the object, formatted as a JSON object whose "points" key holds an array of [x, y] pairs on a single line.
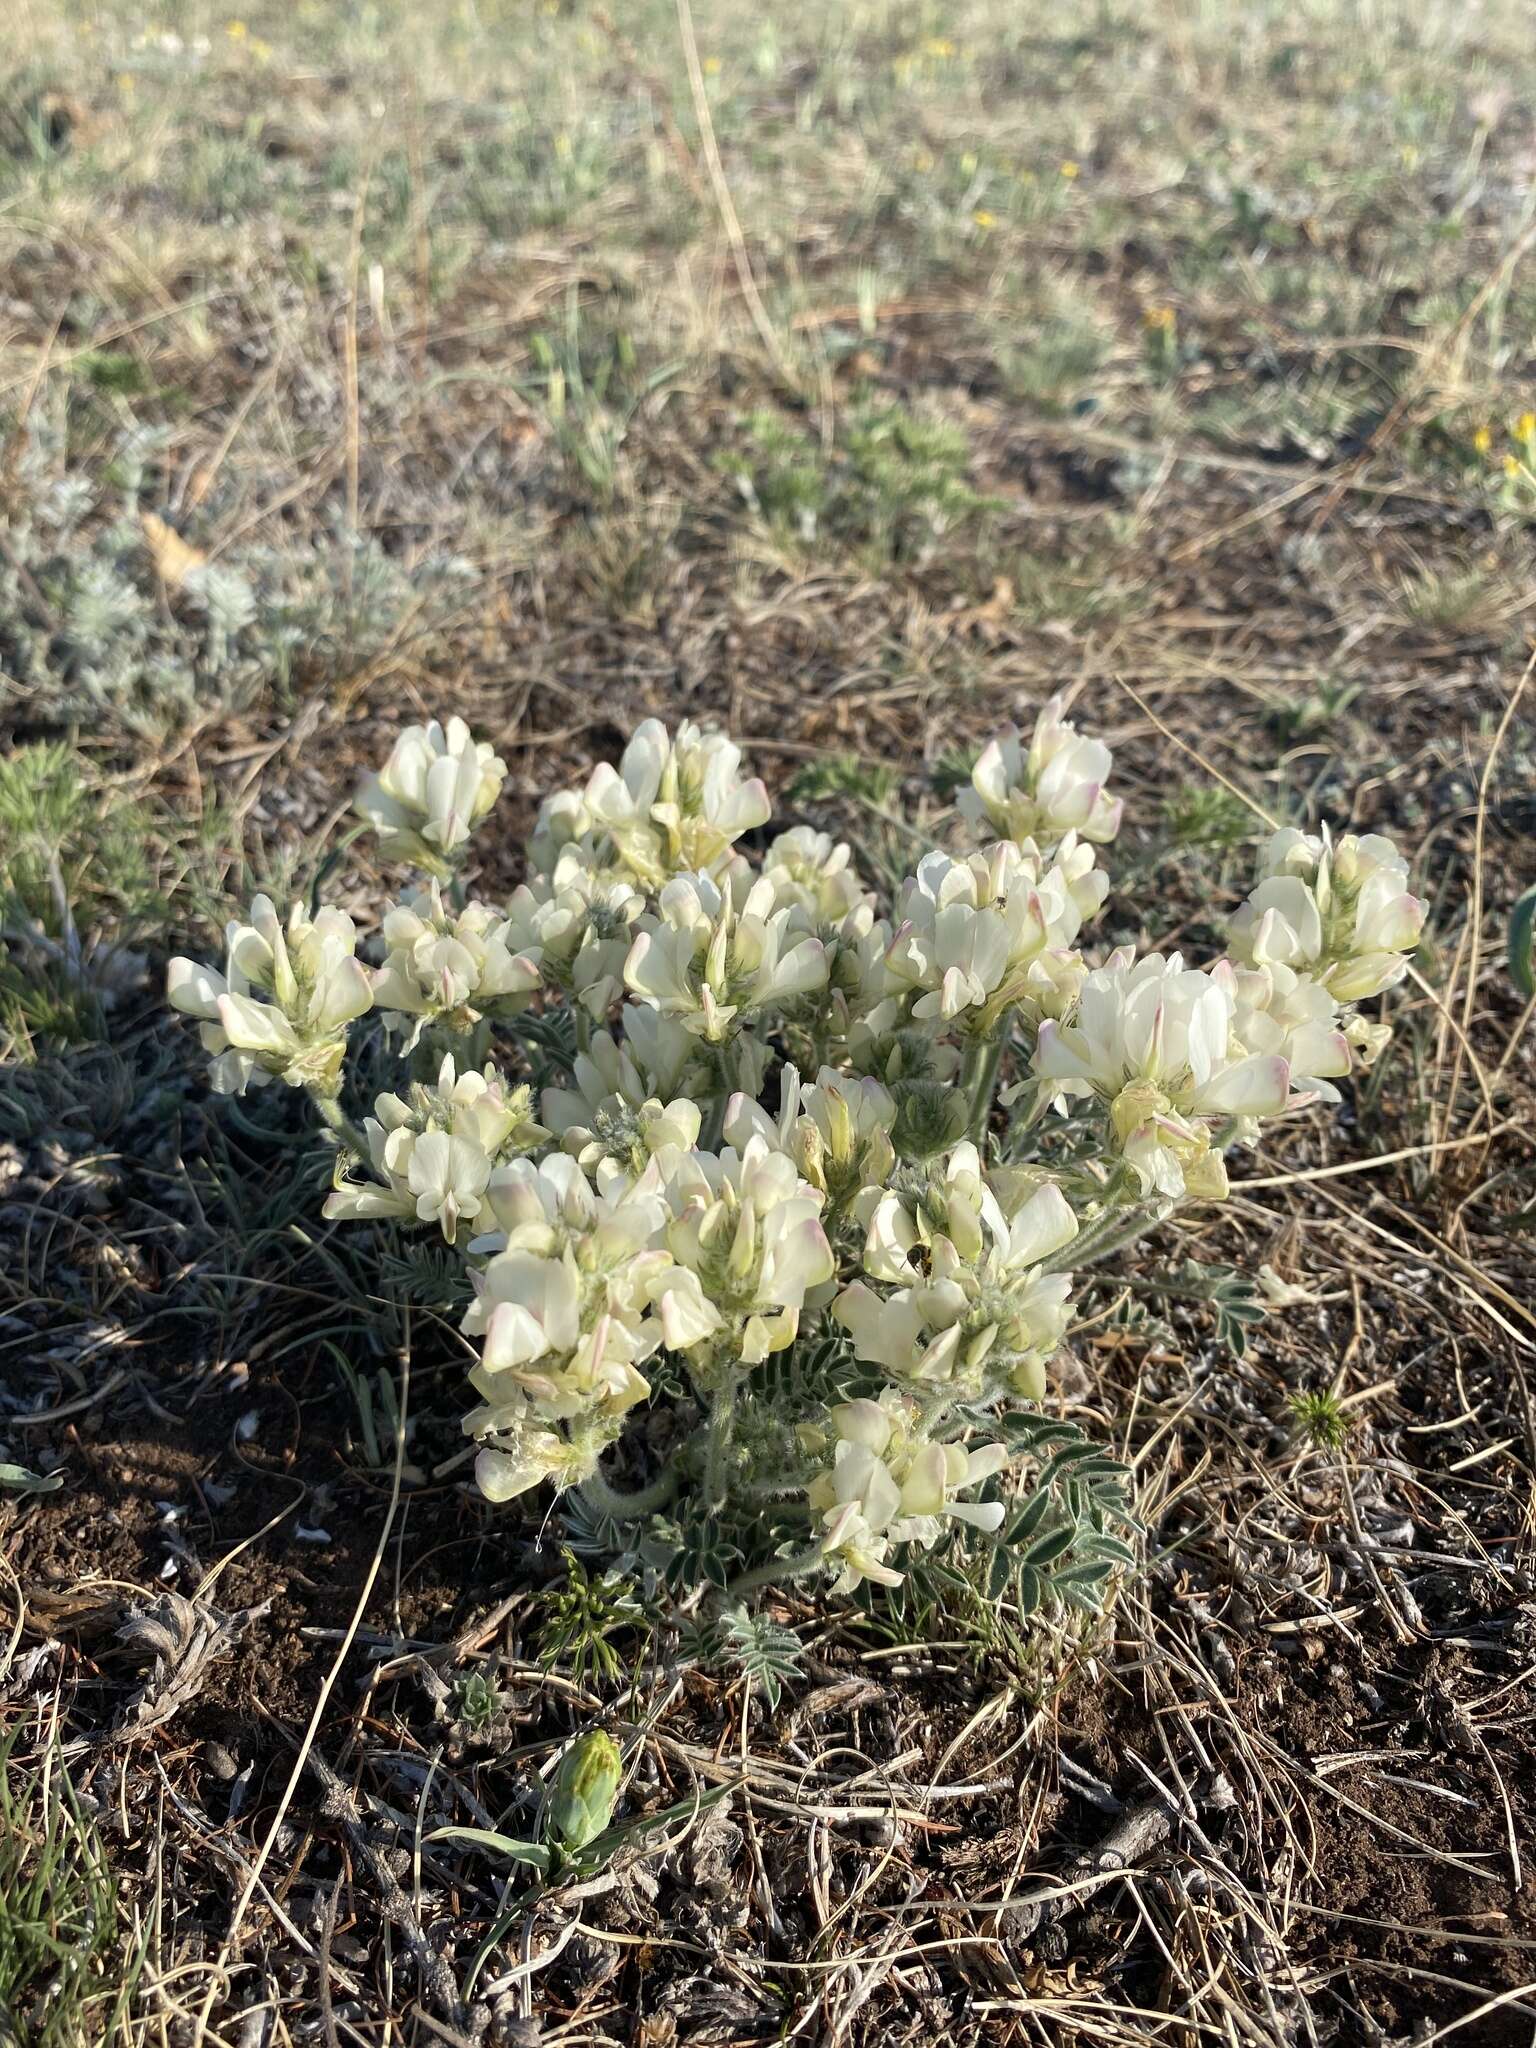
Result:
{"points": [[585, 1789], [930, 1117]]}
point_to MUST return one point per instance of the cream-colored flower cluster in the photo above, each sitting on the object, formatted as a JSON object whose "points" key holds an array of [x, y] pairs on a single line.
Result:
{"points": [[1043, 789], [565, 1305], [282, 1006], [432, 1151], [835, 1299], [718, 968], [837, 1130], [675, 805], [748, 1229], [1329, 925], [576, 923], [889, 1484], [981, 938], [451, 967], [1154, 1043], [436, 786], [966, 1306]]}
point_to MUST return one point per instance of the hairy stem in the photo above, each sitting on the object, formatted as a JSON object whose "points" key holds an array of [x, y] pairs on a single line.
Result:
{"points": [[332, 1114], [978, 1077], [620, 1505], [934, 1410], [716, 1105], [778, 1572], [1111, 1233], [717, 1440]]}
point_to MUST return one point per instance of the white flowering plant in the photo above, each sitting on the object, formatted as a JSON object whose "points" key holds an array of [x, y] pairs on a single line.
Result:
{"points": [[771, 1203]]}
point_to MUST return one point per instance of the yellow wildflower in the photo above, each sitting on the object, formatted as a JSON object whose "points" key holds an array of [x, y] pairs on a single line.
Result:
{"points": [[1482, 440]]}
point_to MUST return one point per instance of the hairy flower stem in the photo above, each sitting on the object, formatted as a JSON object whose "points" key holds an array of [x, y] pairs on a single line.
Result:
{"points": [[978, 1077], [332, 1114], [718, 1104], [717, 1441], [1112, 1233], [777, 1572], [934, 1411], [621, 1506]]}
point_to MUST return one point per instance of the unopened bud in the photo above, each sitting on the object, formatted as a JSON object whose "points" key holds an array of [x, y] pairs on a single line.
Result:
{"points": [[586, 1786]]}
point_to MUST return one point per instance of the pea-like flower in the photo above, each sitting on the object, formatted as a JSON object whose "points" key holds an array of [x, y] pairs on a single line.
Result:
{"points": [[431, 1152], [281, 1008], [673, 806], [648, 1057], [621, 1142], [1043, 790], [450, 967], [813, 875], [1156, 1043], [518, 1452], [716, 968], [888, 1486], [577, 923], [975, 1314], [749, 1229], [436, 786], [1338, 910], [835, 1129], [564, 1305], [1295, 1016], [979, 938]]}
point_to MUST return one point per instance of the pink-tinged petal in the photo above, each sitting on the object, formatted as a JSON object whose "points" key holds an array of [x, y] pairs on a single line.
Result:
{"points": [[194, 989]]}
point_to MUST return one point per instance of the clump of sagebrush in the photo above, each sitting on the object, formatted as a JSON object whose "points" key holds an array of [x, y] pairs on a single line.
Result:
{"points": [[766, 1323], [104, 611]]}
